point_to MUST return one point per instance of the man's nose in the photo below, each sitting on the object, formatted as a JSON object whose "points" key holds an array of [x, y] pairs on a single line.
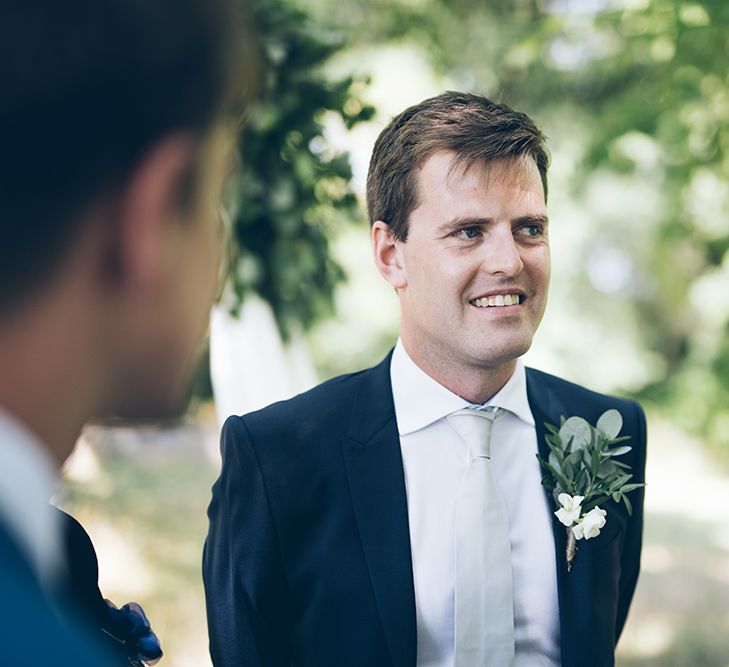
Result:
{"points": [[501, 254]]}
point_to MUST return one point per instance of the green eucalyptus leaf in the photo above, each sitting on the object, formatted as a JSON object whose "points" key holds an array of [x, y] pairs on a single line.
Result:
{"points": [[613, 483], [577, 432], [619, 451], [595, 462], [628, 505], [631, 487], [557, 475], [581, 481], [610, 423], [593, 502], [554, 442], [622, 479], [608, 467], [554, 461], [575, 458], [552, 429]]}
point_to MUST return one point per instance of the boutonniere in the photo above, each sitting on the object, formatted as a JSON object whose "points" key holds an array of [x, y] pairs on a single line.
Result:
{"points": [[582, 471]]}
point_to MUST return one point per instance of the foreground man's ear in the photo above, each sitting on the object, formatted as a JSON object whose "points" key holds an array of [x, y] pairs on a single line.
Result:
{"points": [[148, 206], [387, 252]]}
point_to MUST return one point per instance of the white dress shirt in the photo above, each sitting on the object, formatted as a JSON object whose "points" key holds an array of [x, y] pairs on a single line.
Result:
{"points": [[27, 480], [435, 459]]}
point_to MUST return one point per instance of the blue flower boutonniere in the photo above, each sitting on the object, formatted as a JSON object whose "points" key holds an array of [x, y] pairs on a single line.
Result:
{"points": [[582, 471]]}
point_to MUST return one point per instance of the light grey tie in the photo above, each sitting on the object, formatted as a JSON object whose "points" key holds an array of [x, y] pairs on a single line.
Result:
{"points": [[484, 623]]}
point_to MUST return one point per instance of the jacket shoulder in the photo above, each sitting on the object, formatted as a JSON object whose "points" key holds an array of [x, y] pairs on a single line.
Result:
{"points": [[574, 394], [323, 407]]}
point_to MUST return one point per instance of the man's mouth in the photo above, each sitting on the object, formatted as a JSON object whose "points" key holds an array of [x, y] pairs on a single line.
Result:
{"points": [[498, 301]]}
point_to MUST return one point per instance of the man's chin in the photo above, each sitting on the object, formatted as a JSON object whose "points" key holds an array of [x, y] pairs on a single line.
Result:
{"points": [[506, 353], [147, 411]]}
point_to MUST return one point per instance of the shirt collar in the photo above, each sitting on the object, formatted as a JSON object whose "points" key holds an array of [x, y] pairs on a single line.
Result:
{"points": [[420, 400], [513, 396], [29, 479]]}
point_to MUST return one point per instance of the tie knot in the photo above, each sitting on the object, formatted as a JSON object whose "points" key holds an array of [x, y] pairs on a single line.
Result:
{"points": [[474, 426]]}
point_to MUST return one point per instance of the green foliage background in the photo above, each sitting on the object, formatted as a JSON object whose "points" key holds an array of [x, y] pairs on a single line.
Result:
{"points": [[640, 86], [293, 191]]}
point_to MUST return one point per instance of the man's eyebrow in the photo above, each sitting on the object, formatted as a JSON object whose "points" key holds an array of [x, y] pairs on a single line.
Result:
{"points": [[462, 223], [531, 219]]}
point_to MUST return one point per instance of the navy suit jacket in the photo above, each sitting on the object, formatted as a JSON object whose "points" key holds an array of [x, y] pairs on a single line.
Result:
{"points": [[307, 561], [32, 634]]}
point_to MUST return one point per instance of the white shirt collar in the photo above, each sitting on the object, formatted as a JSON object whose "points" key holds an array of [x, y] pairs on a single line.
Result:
{"points": [[27, 482], [421, 401]]}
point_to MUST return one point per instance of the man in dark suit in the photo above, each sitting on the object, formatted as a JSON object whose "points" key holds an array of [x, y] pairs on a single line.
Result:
{"points": [[347, 526], [114, 120]]}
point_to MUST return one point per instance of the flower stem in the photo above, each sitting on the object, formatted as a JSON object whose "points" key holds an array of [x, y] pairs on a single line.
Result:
{"points": [[571, 548]]}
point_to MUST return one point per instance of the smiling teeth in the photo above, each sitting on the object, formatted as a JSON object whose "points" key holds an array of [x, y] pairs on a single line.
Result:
{"points": [[498, 300]]}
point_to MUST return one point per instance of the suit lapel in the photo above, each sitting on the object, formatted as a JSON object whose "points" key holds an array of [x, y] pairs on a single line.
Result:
{"points": [[575, 587], [376, 479]]}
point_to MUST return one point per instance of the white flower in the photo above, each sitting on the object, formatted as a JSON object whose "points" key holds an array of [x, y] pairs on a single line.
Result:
{"points": [[591, 524], [571, 508]]}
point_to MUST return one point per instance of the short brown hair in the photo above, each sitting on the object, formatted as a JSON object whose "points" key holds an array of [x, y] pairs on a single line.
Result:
{"points": [[475, 128]]}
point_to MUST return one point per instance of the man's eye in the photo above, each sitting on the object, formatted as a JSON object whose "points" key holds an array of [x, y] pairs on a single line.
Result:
{"points": [[532, 231], [469, 233]]}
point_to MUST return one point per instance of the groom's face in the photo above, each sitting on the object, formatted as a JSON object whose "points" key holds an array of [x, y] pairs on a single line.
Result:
{"points": [[476, 262]]}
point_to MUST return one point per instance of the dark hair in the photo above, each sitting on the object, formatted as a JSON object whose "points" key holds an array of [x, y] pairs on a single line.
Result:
{"points": [[475, 128], [86, 88]]}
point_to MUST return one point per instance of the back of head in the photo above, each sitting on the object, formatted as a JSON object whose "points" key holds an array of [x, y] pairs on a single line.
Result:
{"points": [[86, 87], [473, 127]]}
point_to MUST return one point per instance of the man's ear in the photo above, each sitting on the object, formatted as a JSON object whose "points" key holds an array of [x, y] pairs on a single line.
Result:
{"points": [[148, 208], [387, 251]]}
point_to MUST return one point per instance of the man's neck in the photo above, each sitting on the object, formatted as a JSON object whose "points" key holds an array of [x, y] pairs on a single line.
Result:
{"points": [[476, 384]]}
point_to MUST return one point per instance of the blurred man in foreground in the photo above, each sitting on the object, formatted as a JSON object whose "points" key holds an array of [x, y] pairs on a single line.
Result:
{"points": [[396, 516], [115, 120]]}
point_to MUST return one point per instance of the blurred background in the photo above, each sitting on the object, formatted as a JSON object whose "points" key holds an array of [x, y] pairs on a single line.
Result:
{"points": [[634, 98]]}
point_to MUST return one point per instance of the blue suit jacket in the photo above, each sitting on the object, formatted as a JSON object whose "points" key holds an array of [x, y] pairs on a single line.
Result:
{"points": [[31, 632], [308, 563]]}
